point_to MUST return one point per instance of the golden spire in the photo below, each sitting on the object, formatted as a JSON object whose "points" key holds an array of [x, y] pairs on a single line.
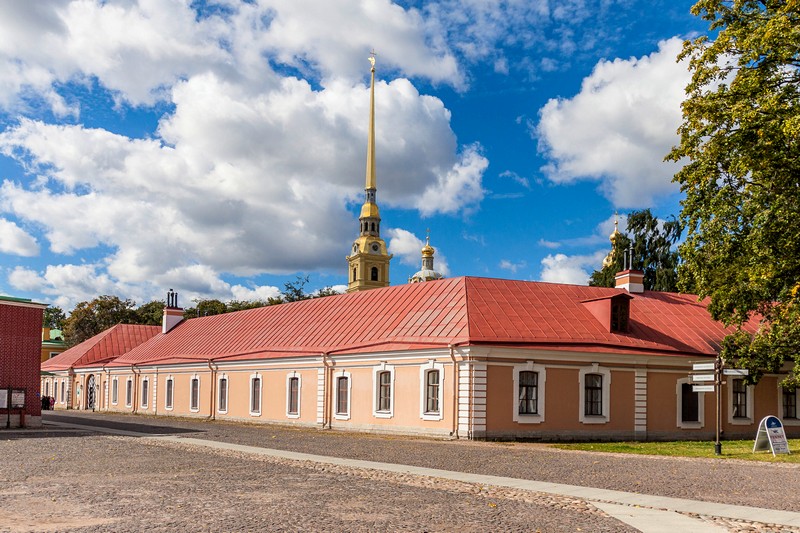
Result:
{"points": [[371, 181], [427, 250]]}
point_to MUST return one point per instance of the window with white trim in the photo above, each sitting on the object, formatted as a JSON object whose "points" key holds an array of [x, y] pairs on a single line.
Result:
{"points": [[194, 393], [128, 392], [431, 376], [145, 392], [528, 390], [169, 393], [788, 404], [740, 402], [293, 395], [383, 387], [63, 391], [47, 387], [595, 394], [222, 394], [690, 405], [342, 400], [114, 391], [255, 395]]}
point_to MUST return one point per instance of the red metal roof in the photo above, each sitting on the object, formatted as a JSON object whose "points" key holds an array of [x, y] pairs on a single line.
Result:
{"points": [[103, 347], [464, 311]]}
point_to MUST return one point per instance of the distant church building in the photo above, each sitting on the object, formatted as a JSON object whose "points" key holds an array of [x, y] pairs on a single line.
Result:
{"points": [[427, 272], [369, 262]]}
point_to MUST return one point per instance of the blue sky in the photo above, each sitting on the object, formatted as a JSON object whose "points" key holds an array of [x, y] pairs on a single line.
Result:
{"points": [[218, 148]]}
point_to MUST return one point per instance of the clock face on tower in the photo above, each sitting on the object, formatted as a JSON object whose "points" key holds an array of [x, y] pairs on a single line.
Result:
{"points": [[355, 248], [376, 247]]}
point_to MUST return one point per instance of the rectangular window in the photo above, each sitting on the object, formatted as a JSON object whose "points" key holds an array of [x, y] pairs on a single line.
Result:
{"points": [[47, 388], [169, 393], [222, 402], [255, 396], [384, 392], [739, 398], [593, 395], [528, 393], [790, 403], [145, 391], [432, 392], [294, 396], [194, 397], [114, 391], [620, 311], [342, 396], [690, 405], [128, 393], [63, 388]]}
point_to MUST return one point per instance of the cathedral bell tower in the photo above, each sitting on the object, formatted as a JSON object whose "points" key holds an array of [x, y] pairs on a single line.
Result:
{"points": [[368, 264]]}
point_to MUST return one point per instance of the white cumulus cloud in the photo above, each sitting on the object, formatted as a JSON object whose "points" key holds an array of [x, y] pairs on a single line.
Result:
{"points": [[620, 126], [570, 269], [407, 247], [16, 241]]}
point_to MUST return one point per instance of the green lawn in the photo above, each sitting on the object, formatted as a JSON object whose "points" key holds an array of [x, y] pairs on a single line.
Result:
{"points": [[731, 449]]}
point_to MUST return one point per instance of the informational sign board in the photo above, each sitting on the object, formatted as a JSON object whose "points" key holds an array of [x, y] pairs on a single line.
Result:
{"points": [[736, 372], [3, 398], [18, 398], [700, 367], [770, 436], [703, 377], [702, 388]]}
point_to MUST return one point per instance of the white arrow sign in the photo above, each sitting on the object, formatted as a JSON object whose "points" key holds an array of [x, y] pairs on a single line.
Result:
{"points": [[699, 367], [703, 377], [702, 388], [736, 372]]}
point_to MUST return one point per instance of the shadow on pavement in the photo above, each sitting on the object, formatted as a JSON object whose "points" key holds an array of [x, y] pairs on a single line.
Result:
{"points": [[149, 429]]}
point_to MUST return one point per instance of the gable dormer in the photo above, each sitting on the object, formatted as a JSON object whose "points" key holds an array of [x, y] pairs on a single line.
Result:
{"points": [[613, 312]]}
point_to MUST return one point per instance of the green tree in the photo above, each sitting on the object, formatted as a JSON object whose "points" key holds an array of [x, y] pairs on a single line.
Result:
{"points": [[654, 252], [150, 313], [54, 317], [293, 291], [205, 308], [90, 318], [740, 141]]}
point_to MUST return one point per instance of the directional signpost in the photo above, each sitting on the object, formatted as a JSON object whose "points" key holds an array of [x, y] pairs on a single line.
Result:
{"points": [[709, 377]]}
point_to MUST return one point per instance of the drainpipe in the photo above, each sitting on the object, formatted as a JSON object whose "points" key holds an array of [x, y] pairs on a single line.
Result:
{"points": [[326, 402], [454, 433], [105, 387], [135, 389], [213, 372]]}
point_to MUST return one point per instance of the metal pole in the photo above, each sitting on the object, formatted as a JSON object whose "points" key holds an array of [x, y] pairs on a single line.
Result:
{"points": [[718, 388]]}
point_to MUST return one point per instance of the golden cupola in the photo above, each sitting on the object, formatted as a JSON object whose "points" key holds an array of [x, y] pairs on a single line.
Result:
{"points": [[368, 264], [427, 272], [609, 259]]}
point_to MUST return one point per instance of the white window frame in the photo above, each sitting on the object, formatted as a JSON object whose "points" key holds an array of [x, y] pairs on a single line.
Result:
{"points": [[788, 421], [63, 393], [342, 374], [193, 409], [46, 388], [538, 418], [129, 392], [221, 377], [605, 417], [383, 367], [423, 390], [289, 376], [701, 406], [749, 390], [144, 401], [114, 390], [253, 377], [169, 396]]}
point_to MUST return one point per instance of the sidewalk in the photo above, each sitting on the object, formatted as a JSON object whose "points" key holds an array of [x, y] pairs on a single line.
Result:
{"points": [[647, 513]]}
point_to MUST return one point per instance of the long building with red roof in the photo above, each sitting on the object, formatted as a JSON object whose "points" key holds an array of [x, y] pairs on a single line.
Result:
{"points": [[463, 357]]}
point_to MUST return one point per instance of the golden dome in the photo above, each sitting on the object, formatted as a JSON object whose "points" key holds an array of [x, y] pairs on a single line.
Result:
{"points": [[369, 210], [427, 250]]}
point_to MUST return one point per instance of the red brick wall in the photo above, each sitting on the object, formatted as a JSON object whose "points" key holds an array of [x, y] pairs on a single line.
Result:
{"points": [[20, 351]]}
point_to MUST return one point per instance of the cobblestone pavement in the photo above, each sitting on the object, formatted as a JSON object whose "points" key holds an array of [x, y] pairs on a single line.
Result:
{"points": [[76, 481], [84, 482], [756, 484]]}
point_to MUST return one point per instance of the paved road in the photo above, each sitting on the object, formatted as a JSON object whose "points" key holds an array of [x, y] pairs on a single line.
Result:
{"points": [[340, 496]]}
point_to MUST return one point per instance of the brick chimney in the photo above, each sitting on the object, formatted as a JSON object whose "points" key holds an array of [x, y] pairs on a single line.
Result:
{"points": [[630, 280], [173, 315]]}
